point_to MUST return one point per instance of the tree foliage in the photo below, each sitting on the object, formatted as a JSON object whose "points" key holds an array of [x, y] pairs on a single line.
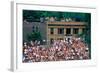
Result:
{"points": [[32, 16], [35, 35]]}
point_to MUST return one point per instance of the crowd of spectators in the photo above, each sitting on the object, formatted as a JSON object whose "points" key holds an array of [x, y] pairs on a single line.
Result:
{"points": [[60, 50]]}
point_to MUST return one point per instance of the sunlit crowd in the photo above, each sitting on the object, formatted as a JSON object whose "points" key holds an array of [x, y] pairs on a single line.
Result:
{"points": [[60, 50]]}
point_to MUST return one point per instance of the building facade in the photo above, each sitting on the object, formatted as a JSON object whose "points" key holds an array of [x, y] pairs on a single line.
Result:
{"points": [[61, 30]]}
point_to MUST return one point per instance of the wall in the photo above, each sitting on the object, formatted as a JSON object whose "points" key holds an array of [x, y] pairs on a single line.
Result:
{"points": [[5, 35]]}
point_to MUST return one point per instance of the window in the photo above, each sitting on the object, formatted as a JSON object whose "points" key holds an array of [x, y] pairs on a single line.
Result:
{"points": [[75, 31], [51, 30], [83, 30], [60, 30], [68, 31]]}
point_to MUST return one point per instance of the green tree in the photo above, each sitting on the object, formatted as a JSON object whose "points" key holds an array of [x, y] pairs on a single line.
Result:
{"points": [[35, 35]]}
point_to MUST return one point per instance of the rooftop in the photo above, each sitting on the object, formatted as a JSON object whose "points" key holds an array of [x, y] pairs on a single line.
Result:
{"points": [[66, 23]]}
